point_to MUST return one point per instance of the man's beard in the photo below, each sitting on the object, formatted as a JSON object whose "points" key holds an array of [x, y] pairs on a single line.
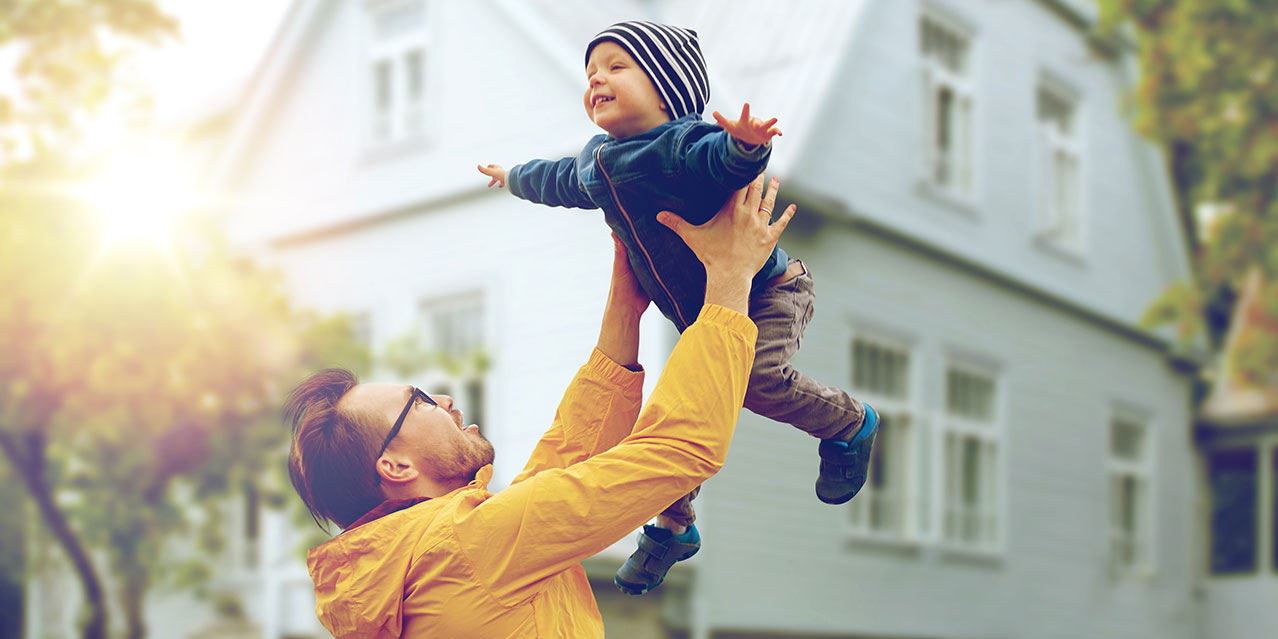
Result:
{"points": [[465, 463]]}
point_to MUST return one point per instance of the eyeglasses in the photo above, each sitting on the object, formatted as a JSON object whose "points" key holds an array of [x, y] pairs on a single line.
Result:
{"points": [[412, 399]]}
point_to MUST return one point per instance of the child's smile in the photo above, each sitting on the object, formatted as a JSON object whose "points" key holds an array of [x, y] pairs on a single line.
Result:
{"points": [[620, 98]]}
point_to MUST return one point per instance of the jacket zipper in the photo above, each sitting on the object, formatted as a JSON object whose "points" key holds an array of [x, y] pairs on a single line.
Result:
{"points": [[651, 266]]}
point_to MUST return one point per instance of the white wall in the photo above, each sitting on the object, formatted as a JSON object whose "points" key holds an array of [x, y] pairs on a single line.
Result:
{"points": [[776, 558], [872, 155]]}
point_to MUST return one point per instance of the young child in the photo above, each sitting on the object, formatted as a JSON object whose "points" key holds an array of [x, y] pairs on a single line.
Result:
{"points": [[647, 87]]}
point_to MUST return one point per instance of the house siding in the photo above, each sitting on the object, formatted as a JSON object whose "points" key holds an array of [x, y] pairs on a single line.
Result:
{"points": [[774, 557]]}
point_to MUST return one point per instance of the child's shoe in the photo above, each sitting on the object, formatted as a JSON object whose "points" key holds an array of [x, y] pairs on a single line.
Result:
{"points": [[659, 549], [844, 464]]}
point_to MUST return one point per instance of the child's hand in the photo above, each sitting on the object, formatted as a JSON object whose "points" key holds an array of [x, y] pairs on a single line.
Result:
{"points": [[749, 131], [495, 172]]}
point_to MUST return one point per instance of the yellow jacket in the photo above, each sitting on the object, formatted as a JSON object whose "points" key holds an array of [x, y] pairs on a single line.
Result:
{"points": [[472, 564]]}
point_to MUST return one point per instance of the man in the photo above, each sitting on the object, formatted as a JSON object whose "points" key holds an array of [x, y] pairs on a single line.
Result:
{"points": [[427, 551]]}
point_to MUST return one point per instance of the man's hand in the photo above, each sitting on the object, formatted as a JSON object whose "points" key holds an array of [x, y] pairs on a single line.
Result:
{"points": [[619, 335], [625, 291], [747, 130], [495, 172], [735, 243]]}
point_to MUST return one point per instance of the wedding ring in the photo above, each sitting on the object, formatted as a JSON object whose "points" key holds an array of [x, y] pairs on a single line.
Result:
{"points": [[766, 210]]}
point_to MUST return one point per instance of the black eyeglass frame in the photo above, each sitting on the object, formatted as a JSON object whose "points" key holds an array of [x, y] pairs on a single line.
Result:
{"points": [[399, 423]]}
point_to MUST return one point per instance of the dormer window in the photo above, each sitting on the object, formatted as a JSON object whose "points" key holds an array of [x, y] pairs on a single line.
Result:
{"points": [[945, 51], [398, 44], [1060, 187]]}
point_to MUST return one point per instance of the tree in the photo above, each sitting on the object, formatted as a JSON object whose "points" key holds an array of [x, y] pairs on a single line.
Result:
{"points": [[135, 385], [1209, 94], [67, 56], [128, 373]]}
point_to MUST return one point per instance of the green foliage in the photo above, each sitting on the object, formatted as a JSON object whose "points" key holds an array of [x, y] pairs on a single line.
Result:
{"points": [[144, 370], [67, 55], [1209, 93]]}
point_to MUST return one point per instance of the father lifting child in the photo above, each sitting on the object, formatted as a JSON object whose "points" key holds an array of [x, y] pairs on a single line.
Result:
{"points": [[646, 88]]}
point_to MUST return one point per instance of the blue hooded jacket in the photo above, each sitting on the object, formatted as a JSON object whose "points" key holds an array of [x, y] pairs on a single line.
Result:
{"points": [[687, 166]]}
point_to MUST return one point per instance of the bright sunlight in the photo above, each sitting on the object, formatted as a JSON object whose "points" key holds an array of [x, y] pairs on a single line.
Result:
{"points": [[139, 197]]}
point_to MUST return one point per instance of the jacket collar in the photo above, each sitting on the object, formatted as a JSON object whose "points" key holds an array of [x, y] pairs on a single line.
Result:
{"points": [[482, 477]]}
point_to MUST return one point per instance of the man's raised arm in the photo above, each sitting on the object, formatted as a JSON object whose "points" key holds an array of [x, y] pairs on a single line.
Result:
{"points": [[560, 516], [602, 402]]}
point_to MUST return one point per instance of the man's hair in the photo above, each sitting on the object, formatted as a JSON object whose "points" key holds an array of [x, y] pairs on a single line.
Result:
{"points": [[331, 459]]}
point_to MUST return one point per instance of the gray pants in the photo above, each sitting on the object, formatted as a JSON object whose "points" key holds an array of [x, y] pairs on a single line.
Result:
{"points": [[777, 390]]}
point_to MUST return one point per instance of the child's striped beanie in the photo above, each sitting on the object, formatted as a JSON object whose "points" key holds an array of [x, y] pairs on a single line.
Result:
{"points": [[670, 56]]}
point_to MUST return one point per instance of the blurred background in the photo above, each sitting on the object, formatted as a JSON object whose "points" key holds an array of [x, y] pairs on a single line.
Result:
{"points": [[1043, 234]]}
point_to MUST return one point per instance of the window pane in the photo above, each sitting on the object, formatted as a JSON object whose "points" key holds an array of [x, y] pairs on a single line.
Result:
{"points": [[946, 47], [1232, 478], [398, 20], [382, 86], [362, 329], [969, 395], [1127, 504], [1127, 440], [879, 370], [413, 74], [474, 407], [457, 327], [971, 472], [1056, 110]]}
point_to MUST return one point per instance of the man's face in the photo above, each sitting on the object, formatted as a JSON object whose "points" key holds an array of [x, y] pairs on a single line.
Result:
{"points": [[433, 436], [620, 98]]}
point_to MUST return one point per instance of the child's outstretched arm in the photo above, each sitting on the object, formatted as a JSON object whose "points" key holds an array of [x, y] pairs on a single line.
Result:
{"points": [[553, 183], [730, 154], [749, 132], [495, 172]]}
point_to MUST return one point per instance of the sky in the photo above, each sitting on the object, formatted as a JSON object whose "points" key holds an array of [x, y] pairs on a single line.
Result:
{"points": [[221, 43]]}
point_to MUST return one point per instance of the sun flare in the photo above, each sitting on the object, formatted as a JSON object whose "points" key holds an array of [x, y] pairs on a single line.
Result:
{"points": [[138, 198]]}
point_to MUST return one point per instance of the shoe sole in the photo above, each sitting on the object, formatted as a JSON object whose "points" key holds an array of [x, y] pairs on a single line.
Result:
{"points": [[639, 589], [844, 498]]}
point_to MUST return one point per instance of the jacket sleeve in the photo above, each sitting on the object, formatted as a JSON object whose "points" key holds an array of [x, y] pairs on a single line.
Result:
{"points": [[709, 153], [558, 517], [550, 183], [598, 410]]}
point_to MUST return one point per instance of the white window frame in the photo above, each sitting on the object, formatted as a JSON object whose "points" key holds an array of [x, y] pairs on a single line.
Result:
{"points": [[435, 379], [898, 437], [960, 161], [1062, 227], [990, 437], [1141, 471], [405, 121]]}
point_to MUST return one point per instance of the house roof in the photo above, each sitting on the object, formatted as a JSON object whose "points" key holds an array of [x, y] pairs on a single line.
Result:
{"points": [[782, 72], [1234, 402]]}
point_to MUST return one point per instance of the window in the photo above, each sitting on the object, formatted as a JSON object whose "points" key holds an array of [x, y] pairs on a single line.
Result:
{"points": [[1130, 502], [455, 336], [1233, 483], [881, 377], [945, 49], [361, 324], [1273, 522], [970, 460], [1060, 188], [238, 532], [397, 66]]}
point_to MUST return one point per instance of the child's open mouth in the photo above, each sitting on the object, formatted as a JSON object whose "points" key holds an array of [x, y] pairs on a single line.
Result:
{"points": [[602, 99]]}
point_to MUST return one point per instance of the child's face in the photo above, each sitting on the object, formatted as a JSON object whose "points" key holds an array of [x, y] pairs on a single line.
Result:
{"points": [[620, 98]]}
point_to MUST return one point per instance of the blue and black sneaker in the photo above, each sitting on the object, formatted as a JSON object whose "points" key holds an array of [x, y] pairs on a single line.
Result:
{"points": [[844, 464], [659, 549]]}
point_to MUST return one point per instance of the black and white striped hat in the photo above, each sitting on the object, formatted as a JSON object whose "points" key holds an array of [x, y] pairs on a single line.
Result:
{"points": [[670, 56]]}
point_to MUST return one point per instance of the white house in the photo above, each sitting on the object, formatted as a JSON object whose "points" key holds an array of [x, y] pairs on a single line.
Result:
{"points": [[984, 228]]}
